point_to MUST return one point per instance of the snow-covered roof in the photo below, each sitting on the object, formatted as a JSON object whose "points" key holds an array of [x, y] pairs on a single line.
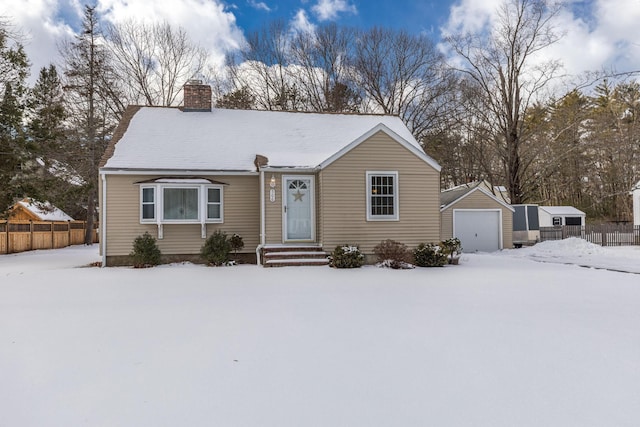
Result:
{"points": [[453, 195], [562, 210], [228, 140], [44, 210]]}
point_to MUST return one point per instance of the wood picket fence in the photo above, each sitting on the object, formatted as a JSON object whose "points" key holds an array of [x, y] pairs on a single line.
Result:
{"points": [[21, 236], [600, 234]]}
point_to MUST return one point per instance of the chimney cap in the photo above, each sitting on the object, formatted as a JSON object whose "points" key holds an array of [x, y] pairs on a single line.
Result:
{"points": [[194, 82]]}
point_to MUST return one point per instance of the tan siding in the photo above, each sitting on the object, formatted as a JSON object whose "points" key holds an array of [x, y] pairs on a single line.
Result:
{"points": [[241, 216], [273, 210], [343, 199], [478, 200]]}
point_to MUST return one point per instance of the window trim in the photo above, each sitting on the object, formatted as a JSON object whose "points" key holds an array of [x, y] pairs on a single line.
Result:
{"points": [[143, 204], [396, 198], [203, 202]]}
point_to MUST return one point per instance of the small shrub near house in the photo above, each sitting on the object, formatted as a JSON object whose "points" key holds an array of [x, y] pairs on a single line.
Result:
{"points": [[393, 254], [429, 255], [236, 243], [145, 251], [216, 249], [346, 256], [452, 248]]}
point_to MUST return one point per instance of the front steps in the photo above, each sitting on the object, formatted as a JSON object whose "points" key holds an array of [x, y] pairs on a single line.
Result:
{"points": [[289, 255]]}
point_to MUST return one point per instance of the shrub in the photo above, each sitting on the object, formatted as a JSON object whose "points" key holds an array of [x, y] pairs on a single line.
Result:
{"points": [[347, 256], [393, 254], [236, 243], [216, 248], [429, 255], [451, 248], [145, 251]]}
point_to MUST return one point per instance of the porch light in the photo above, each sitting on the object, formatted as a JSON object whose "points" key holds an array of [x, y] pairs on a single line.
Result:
{"points": [[272, 182]]}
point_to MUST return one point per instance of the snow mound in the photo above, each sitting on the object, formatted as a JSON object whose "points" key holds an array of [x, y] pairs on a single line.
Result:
{"points": [[573, 245]]}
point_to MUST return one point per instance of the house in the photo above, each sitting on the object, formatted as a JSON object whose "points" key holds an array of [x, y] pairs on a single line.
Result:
{"points": [[635, 194], [551, 216], [33, 210], [481, 220], [284, 181]]}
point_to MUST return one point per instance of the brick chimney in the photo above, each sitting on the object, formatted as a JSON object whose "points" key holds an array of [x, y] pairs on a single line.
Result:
{"points": [[197, 96]]}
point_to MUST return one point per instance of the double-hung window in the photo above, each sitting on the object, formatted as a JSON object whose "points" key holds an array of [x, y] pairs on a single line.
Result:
{"points": [[175, 203], [382, 196]]}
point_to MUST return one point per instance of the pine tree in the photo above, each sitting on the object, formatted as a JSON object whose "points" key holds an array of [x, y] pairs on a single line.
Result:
{"points": [[89, 86], [14, 68]]}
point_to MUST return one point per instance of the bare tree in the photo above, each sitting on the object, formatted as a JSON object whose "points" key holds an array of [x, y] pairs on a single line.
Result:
{"points": [[402, 74], [324, 76], [154, 60], [502, 63], [263, 67]]}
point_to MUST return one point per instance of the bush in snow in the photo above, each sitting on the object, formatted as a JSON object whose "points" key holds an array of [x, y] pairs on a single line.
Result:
{"points": [[145, 251], [429, 255], [236, 243], [216, 249], [452, 248], [347, 256], [392, 254]]}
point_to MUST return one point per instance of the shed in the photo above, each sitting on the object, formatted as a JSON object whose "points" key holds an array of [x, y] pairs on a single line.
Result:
{"points": [[526, 225], [482, 221], [551, 216], [33, 210]]}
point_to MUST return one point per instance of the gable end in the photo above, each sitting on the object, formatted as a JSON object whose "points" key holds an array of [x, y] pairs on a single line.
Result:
{"points": [[394, 136]]}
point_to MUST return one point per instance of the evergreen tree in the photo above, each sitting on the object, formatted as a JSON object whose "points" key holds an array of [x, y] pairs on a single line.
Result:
{"points": [[89, 85], [14, 68]]}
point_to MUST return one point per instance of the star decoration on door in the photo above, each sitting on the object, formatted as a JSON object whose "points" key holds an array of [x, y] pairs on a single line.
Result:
{"points": [[297, 197]]}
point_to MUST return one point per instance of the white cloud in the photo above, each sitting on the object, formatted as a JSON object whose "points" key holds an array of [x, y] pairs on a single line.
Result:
{"points": [[46, 23], [259, 5], [41, 23], [329, 9], [207, 22], [605, 35], [301, 23]]}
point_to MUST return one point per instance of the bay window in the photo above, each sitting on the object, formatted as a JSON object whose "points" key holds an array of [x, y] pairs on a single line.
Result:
{"points": [[172, 202]]}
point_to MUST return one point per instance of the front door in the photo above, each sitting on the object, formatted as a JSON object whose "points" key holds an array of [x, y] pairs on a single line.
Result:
{"points": [[298, 223]]}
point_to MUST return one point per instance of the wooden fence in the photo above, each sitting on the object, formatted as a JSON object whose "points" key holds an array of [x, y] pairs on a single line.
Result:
{"points": [[21, 236], [600, 234]]}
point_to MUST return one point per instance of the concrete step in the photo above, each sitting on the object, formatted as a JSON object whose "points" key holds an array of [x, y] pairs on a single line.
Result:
{"points": [[296, 262], [298, 255]]}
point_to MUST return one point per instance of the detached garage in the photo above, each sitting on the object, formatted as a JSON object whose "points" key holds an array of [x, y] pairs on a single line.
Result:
{"points": [[481, 221]]}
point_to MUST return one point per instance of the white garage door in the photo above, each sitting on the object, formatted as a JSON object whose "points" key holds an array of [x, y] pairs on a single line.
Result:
{"points": [[478, 230]]}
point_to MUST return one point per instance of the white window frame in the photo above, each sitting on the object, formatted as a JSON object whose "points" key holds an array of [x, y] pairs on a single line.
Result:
{"points": [[203, 203], [396, 198], [142, 204]]}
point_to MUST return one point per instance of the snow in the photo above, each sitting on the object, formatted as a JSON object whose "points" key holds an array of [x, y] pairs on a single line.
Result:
{"points": [[167, 138], [45, 210], [561, 210], [499, 340]]}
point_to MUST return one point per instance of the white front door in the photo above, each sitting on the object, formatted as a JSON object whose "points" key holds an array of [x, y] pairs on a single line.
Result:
{"points": [[298, 207]]}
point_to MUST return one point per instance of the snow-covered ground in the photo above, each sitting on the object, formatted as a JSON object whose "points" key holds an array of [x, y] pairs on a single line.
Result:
{"points": [[500, 340]]}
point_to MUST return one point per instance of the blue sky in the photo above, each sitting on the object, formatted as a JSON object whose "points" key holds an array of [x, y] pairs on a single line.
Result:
{"points": [[597, 33], [412, 15]]}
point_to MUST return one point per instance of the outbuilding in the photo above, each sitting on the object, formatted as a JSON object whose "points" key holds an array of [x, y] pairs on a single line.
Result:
{"points": [[481, 221], [552, 216]]}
